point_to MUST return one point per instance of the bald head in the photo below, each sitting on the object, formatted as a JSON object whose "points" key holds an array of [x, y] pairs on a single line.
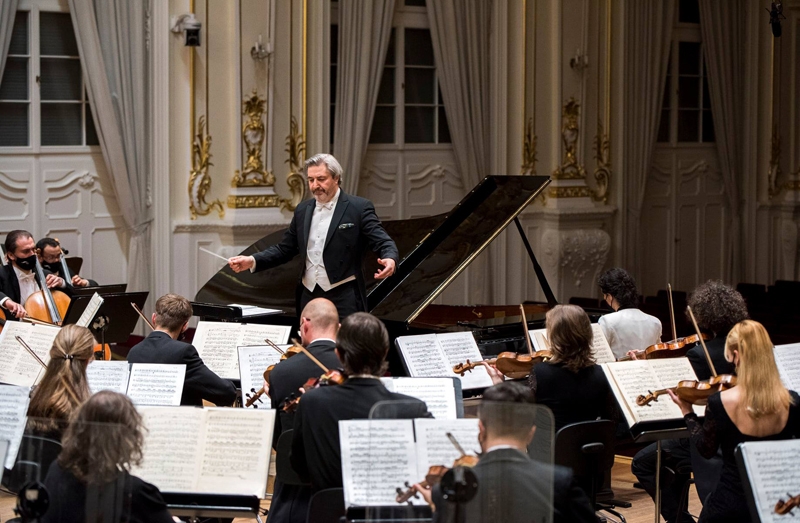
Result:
{"points": [[319, 319]]}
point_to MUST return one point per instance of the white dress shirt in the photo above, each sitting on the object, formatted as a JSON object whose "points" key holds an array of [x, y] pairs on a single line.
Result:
{"points": [[27, 285], [630, 329]]}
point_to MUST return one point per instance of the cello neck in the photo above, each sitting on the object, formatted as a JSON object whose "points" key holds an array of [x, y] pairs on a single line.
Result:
{"points": [[65, 268], [55, 317]]}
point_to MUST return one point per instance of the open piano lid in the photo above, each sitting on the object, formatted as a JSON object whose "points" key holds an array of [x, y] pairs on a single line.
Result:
{"points": [[434, 250]]}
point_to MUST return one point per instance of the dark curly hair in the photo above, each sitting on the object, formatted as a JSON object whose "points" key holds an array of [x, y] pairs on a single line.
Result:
{"points": [[621, 285], [569, 332], [717, 307]]}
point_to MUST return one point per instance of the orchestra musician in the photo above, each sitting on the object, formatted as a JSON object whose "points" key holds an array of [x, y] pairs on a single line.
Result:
{"points": [[319, 323], [511, 486], [18, 278], [361, 346], [91, 479], [758, 408], [331, 234], [50, 257], [627, 328], [170, 320]]}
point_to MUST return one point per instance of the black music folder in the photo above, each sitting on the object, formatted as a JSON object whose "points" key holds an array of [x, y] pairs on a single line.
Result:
{"points": [[114, 321]]}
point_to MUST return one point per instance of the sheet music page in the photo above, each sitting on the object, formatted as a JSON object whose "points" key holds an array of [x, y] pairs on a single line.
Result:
{"points": [[253, 361], [378, 456], [423, 356], [172, 447], [458, 347], [40, 339], [13, 409], [10, 352], [255, 333], [601, 350], [670, 371], [437, 393], [634, 378], [108, 375], [91, 309], [156, 383], [236, 453], [434, 447], [216, 343], [773, 471], [788, 359]]}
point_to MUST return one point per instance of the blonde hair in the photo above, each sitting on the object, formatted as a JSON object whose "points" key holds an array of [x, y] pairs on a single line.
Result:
{"points": [[757, 374], [64, 387], [569, 332]]}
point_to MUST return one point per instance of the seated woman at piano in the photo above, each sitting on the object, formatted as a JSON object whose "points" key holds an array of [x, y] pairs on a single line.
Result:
{"points": [[570, 383], [64, 386], [91, 480], [758, 408]]}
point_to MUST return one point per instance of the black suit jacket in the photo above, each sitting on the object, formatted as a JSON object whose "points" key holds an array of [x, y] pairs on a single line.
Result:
{"points": [[354, 228], [316, 455], [200, 382], [716, 349], [512, 487], [9, 286], [572, 396]]}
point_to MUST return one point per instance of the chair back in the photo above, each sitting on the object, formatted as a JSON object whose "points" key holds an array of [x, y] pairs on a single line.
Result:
{"points": [[283, 467], [35, 455], [327, 506], [588, 449]]}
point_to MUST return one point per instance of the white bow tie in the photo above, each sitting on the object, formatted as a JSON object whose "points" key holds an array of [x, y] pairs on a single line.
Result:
{"points": [[327, 206], [28, 277]]}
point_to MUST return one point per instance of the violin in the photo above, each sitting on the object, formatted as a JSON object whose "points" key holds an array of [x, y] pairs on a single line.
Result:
{"points": [[2, 320], [46, 305], [511, 364], [692, 391], [330, 377], [785, 507], [676, 348]]}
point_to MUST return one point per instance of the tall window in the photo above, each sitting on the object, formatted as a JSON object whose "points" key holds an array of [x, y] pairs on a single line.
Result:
{"points": [[42, 96]]}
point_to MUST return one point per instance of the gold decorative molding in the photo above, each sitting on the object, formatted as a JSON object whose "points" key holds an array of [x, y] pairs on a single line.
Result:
{"points": [[254, 135], [792, 185], [575, 191], [296, 148], [774, 164], [251, 201], [602, 173], [529, 150], [570, 169], [199, 180]]}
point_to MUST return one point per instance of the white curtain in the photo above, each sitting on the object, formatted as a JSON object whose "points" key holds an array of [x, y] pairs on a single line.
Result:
{"points": [[460, 31], [648, 36], [722, 27], [365, 27], [8, 12], [112, 42]]}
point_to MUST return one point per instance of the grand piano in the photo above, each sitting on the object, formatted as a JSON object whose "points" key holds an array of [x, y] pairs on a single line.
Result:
{"points": [[434, 250]]}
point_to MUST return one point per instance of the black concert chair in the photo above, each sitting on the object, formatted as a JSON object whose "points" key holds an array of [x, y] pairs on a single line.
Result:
{"points": [[327, 506], [283, 467], [588, 449], [33, 460]]}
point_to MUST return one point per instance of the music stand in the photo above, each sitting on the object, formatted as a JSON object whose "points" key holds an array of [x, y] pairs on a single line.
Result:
{"points": [[114, 321], [74, 264], [102, 290]]}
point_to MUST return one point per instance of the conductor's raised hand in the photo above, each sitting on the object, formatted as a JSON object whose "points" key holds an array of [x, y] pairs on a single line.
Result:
{"points": [[388, 268], [241, 263]]}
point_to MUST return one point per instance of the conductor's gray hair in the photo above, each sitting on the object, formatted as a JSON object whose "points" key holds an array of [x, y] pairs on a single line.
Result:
{"points": [[330, 163]]}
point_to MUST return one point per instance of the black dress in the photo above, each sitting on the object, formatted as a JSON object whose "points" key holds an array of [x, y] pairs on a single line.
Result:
{"points": [[727, 502]]}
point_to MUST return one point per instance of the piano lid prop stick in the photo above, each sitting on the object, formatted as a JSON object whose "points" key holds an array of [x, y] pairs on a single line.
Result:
{"points": [[214, 254], [30, 350]]}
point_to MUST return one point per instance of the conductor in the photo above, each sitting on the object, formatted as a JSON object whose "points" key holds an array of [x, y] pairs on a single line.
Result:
{"points": [[331, 233]]}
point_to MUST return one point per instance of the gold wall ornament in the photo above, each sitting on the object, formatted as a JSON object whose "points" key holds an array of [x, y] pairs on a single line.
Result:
{"points": [[199, 180], [296, 148], [253, 135], [250, 201], [774, 171], [529, 150], [602, 173], [570, 168], [572, 191]]}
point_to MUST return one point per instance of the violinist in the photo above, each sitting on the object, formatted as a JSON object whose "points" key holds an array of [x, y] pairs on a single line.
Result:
{"points": [[18, 279], [511, 486], [50, 253], [171, 319], [627, 328], [758, 408]]}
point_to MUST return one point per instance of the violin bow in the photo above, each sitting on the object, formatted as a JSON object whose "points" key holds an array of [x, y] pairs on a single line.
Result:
{"points": [[702, 342], [38, 322], [30, 350], [274, 346], [525, 328], [672, 312], [455, 443], [141, 315], [312, 358]]}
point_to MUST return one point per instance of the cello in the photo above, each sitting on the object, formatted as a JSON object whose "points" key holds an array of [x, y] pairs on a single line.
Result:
{"points": [[44, 304]]}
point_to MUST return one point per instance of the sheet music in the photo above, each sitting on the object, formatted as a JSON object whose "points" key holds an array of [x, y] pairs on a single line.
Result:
{"points": [[108, 375], [40, 339], [773, 472], [4, 445], [91, 309], [423, 356], [437, 393], [253, 361], [601, 350], [216, 343], [156, 383], [671, 371], [13, 409], [788, 359], [539, 339], [458, 347], [378, 456], [254, 334], [236, 451], [17, 365], [172, 447], [634, 378], [434, 447]]}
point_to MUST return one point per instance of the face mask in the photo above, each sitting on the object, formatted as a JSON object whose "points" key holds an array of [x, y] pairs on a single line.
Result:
{"points": [[26, 264], [55, 268]]}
